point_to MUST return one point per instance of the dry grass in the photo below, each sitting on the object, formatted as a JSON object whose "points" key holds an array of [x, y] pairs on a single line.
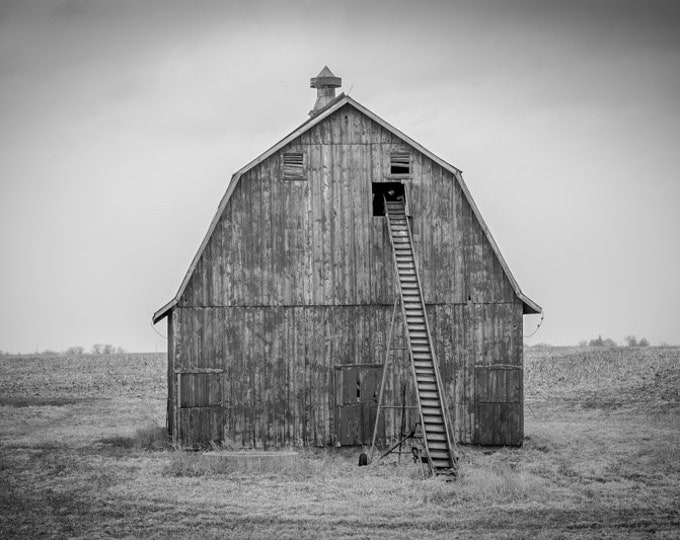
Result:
{"points": [[601, 459]]}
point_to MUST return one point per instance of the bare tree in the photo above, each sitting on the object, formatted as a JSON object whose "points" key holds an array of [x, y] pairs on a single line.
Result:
{"points": [[631, 341]]}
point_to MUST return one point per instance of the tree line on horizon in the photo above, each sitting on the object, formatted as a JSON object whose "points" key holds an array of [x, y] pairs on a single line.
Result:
{"points": [[630, 341], [599, 341], [78, 350]]}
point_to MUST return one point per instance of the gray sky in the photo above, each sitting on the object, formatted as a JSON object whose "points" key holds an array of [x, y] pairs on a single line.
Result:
{"points": [[121, 123]]}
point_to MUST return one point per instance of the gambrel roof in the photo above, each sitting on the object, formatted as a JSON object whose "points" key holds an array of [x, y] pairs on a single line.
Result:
{"points": [[529, 306]]}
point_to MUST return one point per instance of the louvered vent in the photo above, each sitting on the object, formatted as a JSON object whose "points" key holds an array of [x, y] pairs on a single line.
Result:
{"points": [[293, 166], [400, 163]]}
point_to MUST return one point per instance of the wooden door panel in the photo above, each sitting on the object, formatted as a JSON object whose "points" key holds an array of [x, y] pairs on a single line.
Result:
{"points": [[498, 405], [198, 408], [356, 400]]}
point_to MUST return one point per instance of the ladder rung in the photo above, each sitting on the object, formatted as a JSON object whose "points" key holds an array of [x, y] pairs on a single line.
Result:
{"points": [[423, 366], [423, 363], [438, 445], [429, 403]]}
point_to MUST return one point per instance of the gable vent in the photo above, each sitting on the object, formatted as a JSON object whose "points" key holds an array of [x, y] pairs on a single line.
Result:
{"points": [[400, 163], [293, 165]]}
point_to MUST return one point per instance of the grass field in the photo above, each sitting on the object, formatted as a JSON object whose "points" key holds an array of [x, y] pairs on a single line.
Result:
{"points": [[82, 456]]}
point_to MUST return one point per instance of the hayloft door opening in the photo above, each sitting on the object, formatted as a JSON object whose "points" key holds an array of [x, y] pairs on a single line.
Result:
{"points": [[356, 403], [392, 191]]}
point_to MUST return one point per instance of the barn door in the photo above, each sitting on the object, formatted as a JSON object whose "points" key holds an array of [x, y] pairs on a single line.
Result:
{"points": [[498, 405], [356, 403], [198, 407]]}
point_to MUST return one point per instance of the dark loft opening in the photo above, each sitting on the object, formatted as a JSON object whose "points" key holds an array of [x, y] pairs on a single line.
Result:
{"points": [[391, 191]]}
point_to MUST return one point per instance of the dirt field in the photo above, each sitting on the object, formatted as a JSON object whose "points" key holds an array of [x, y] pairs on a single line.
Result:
{"points": [[82, 456]]}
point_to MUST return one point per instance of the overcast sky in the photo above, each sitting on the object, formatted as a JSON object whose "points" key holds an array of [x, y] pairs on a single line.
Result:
{"points": [[121, 123]]}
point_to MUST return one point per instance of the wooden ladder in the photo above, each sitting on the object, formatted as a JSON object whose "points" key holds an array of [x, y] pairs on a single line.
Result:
{"points": [[437, 436]]}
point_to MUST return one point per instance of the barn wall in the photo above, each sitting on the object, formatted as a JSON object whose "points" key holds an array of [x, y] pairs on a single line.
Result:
{"points": [[278, 362], [315, 241], [276, 365], [297, 278], [471, 341]]}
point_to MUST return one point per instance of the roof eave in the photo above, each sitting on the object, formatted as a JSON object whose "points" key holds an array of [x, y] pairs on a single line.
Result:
{"points": [[529, 307], [164, 311]]}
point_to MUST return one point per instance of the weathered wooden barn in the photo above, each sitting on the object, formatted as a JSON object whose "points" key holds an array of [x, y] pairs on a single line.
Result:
{"points": [[280, 330]]}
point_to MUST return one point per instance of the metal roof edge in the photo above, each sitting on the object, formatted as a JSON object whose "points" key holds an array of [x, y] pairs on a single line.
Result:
{"points": [[306, 125], [528, 303], [402, 135], [333, 106]]}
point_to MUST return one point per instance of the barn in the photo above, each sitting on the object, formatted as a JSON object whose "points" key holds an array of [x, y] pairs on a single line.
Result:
{"points": [[346, 276]]}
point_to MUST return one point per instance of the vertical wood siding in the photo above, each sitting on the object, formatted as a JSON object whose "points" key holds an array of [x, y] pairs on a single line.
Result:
{"points": [[315, 241], [297, 278]]}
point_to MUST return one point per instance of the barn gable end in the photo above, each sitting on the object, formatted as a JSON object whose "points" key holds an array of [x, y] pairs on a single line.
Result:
{"points": [[362, 128], [292, 291]]}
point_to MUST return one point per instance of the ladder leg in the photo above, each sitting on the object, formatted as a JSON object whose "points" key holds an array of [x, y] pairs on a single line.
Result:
{"points": [[384, 377]]}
